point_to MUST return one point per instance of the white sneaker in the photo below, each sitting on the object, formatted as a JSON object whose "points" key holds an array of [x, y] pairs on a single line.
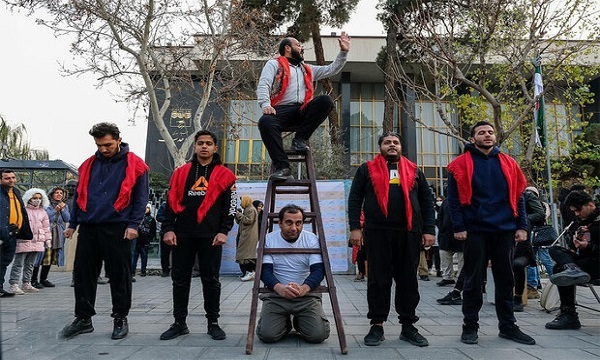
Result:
{"points": [[249, 276], [27, 287], [15, 289]]}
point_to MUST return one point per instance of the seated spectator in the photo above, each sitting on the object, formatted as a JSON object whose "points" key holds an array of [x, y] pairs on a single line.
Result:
{"points": [[580, 262]]}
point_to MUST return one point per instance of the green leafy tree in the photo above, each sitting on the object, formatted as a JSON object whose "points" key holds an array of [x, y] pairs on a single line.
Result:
{"points": [[14, 143], [582, 166]]}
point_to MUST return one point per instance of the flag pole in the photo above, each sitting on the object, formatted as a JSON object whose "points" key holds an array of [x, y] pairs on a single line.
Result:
{"points": [[543, 138]]}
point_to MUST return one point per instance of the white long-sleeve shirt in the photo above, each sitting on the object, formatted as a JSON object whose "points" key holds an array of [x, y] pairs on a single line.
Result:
{"points": [[294, 93]]}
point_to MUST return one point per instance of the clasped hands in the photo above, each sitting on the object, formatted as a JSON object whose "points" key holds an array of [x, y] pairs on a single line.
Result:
{"points": [[291, 290]]}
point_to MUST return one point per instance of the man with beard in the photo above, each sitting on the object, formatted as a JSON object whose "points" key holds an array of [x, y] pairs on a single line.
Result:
{"points": [[285, 95], [399, 218], [487, 209], [108, 207], [580, 262], [14, 223], [292, 277]]}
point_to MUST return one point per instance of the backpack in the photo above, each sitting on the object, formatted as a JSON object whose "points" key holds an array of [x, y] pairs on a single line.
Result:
{"points": [[550, 299]]}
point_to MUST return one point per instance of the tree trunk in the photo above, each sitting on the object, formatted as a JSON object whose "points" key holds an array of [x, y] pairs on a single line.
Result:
{"points": [[334, 133], [390, 83]]}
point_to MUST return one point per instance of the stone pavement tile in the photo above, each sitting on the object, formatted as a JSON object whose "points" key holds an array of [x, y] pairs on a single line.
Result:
{"points": [[475, 352], [169, 352], [234, 353], [562, 354], [566, 341], [368, 352], [302, 353], [103, 352], [414, 352], [26, 352]]}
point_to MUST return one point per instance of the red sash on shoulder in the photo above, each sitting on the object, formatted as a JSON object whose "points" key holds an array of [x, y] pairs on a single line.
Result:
{"points": [[221, 179], [380, 178], [283, 78], [462, 171], [135, 168]]}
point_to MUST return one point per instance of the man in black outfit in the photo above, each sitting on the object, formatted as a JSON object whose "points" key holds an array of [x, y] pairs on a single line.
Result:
{"points": [[13, 222], [200, 211], [399, 219]]}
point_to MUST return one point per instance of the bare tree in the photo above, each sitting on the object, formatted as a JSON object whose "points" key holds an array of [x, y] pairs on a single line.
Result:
{"points": [[140, 45], [476, 55]]}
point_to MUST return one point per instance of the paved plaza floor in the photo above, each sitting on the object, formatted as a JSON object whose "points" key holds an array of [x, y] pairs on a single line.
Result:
{"points": [[30, 326]]}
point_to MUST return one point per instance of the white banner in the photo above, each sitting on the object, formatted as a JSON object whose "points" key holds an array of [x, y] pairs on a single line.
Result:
{"points": [[332, 201]]}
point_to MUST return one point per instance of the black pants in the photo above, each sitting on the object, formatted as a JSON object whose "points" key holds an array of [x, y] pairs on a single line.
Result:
{"points": [[96, 243], [499, 247], [7, 253], [392, 255], [290, 118], [184, 255], [165, 256], [563, 256], [519, 265], [361, 257]]}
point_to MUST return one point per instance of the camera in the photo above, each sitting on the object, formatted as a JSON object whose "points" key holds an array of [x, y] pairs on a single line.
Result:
{"points": [[13, 230]]}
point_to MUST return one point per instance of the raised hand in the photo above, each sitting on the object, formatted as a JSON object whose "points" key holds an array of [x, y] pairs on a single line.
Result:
{"points": [[344, 41]]}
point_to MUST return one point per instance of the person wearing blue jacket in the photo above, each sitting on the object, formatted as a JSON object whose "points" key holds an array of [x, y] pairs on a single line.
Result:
{"points": [[487, 209], [108, 207]]}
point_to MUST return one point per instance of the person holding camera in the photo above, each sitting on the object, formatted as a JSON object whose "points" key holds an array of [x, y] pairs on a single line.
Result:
{"points": [[13, 222], [579, 263]]}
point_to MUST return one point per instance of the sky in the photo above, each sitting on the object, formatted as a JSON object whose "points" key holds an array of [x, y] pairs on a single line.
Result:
{"points": [[58, 111]]}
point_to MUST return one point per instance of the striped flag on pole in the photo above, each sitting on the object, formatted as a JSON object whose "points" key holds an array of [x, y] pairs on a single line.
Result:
{"points": [[538, 114]]}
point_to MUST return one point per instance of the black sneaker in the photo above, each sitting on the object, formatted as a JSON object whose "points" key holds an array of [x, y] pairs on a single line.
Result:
{"points": [[215, 331], [281, 174], [5, 294], [517, 304], [424, 277], [411, 334], [46, 283], [299, 145], [445, 282], [375, 336], [570, 276], [78, 326], [176, 329], [452, 298], [469, 335], [120, 328], [565, 320], [37, 285], [515, 334]]}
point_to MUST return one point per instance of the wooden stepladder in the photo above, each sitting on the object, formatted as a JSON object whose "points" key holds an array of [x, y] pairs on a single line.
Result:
{"points": [[308, 187]]}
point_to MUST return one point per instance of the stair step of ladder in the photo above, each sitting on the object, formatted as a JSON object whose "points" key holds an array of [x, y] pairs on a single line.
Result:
{"points": [[291, 251], [307, 214]]}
